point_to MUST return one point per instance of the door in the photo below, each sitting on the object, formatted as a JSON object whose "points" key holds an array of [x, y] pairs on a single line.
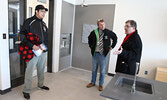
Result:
{"points": [[16, 16]]}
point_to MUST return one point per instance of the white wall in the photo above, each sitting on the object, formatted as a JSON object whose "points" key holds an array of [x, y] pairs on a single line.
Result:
{"points": [[56, 34], [150, 16], [4, 47], [70, 1]]}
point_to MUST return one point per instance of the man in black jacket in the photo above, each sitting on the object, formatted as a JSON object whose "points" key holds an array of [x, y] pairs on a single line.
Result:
{"points": [[101, 41], [130, 50], [35, 25]]}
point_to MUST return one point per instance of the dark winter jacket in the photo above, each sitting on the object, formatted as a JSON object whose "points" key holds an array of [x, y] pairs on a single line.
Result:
{"points": [[36, 26], [132, 50], [109, 41]]}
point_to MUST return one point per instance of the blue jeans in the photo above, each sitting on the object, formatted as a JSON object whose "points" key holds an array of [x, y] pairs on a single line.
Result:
{"points": [[100, 60]]}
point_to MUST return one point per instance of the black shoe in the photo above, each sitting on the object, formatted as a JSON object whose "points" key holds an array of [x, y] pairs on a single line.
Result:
{"points": [[26, 95], [44, 88]]}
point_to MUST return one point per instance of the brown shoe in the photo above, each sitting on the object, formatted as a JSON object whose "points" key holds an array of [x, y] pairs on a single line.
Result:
{"points": [[100, 88], [90, 85]]}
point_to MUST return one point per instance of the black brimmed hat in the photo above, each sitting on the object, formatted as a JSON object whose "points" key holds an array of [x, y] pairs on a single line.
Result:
{"points": [[40, 7]]}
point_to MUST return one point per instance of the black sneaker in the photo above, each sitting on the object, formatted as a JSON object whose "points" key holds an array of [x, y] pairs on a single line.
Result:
{"points": [[44, 88], [26, 95]]}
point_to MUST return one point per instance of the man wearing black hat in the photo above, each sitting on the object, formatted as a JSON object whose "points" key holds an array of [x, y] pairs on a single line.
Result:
{"points": [[34, 37]]}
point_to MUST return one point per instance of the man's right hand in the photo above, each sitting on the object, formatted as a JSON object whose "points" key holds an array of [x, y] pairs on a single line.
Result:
{"points": [[117, 52], [35, 47]]}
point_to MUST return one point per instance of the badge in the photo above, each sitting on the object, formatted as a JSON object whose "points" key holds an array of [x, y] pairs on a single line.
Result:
{"points": [[105, 37]]}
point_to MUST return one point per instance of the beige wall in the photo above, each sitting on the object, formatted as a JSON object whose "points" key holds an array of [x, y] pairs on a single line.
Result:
{"points": [[33, 3]]}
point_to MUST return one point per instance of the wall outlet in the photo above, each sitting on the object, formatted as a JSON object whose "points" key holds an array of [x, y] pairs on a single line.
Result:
{"points": [[146, 72]]}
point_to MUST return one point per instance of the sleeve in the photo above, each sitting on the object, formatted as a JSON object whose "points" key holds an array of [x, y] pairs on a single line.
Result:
{"points": [[23, 32], [90, 39], [46, 36], [114, 38]]}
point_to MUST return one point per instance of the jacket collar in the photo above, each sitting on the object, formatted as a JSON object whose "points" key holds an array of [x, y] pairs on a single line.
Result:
{"points": [[102, 30], [35, 17]]}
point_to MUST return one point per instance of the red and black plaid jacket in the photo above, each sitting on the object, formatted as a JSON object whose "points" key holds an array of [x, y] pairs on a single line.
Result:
{"points": [[25, 51]]}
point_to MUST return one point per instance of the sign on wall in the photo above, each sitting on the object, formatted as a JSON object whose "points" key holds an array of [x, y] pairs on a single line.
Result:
{"points": [[87, 28], [43, 1]]}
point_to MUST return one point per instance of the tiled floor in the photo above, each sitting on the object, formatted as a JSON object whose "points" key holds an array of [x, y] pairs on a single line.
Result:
{"points": [[69, 84]]}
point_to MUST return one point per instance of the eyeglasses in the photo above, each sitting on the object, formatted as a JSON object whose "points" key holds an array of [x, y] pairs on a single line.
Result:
{"points": [[43, 11], [127, 26]]}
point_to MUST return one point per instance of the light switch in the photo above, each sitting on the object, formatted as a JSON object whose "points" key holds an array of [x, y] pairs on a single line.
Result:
{"points": [[4, 35]]}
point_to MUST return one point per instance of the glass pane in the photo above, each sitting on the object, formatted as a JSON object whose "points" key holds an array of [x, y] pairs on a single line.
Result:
{"points": [[16, 18]]}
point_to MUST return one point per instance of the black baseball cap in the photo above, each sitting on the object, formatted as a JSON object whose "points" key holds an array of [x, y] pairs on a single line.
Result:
{"points": [[40, 7]]}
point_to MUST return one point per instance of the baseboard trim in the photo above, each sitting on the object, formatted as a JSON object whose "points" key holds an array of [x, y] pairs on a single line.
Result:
{"points": [[110, 74], [5, 91]]}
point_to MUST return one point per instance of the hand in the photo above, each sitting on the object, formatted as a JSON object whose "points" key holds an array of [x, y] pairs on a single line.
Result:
{"points": [[119, 51], [115, 52], [41, 46], [35, 47]]}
